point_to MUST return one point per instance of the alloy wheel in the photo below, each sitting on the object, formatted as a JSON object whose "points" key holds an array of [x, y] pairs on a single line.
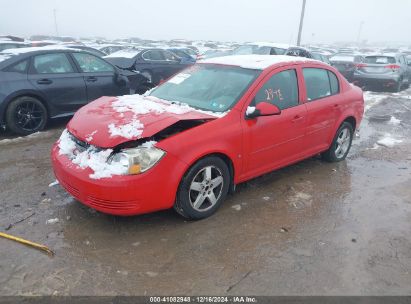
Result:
{"points": [[29, 116], [343, 143], [206, 188]]}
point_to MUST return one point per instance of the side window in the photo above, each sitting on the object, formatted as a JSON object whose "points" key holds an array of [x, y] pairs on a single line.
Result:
{"points": [[20, 67], [153, 55], [317, 83], [334, 83], [170, 56], [89, 63], [281, 89], [52, 63]]}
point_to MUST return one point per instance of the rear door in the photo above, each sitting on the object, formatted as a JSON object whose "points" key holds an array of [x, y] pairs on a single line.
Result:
{"points": [[99, 76], [58, 81], [323, 107], [276, 140]]}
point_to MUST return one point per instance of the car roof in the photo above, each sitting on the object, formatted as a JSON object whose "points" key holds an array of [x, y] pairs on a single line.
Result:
{"points": [[10, 56], [257, 62], [37, 49], [269, 44]]}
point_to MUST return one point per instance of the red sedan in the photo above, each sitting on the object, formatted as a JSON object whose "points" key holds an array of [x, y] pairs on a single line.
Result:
{"points": [[192, 139]]}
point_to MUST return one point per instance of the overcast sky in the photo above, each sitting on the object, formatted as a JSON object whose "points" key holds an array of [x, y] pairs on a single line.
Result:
{"points": [[224, 20]]}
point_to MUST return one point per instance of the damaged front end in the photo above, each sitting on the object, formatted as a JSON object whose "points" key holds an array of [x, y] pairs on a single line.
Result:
{"points": [[128, 158]]}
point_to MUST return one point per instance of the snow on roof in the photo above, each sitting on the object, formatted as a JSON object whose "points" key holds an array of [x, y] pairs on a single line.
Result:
{"points": [[35, 48], [4, 57], [127, 53], [258, 62], [270, 44]]}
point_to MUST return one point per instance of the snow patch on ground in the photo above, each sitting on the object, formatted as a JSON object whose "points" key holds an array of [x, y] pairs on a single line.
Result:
{"points": [[371, 99], [24, 138], [394, 121], [389, 141]]}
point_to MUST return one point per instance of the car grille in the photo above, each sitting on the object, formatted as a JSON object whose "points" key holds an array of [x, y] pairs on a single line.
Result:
{"points": [[112, 205], [80, 145]]}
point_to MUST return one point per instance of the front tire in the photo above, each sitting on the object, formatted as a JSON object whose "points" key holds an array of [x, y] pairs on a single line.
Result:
{"points": [[341, 144], [203, 188], [26, 115]]}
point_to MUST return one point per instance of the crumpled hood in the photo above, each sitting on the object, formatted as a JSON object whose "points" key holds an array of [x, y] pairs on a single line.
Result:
{"points": [[110, 121]]}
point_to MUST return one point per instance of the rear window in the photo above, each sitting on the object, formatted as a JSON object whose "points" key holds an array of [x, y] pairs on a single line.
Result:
{"points": [[379, 59], [19, 67]]}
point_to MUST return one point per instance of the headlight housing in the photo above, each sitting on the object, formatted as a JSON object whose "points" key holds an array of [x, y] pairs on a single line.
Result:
{"points": [[136, 160]]}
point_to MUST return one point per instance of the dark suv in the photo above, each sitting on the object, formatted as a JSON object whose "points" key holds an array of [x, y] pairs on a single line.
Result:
{"points": [[387, 71], [37, 84]]}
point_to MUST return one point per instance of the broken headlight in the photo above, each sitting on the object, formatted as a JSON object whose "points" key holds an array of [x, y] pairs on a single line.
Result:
{"points": [[136, 160]]}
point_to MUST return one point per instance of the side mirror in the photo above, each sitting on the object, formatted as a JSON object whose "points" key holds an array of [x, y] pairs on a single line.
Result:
{"points": [[262, 109]]}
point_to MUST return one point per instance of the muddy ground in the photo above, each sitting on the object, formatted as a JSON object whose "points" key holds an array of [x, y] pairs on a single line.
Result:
{"points": [[310, 229]]}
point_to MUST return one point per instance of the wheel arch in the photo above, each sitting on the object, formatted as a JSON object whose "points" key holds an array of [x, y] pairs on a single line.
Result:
{"points": [[13, 97], [223, 156]]}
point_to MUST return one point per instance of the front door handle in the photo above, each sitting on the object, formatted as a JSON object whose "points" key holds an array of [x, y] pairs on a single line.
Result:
{"points": [[44, 81], [91, 79], [297, 118]]}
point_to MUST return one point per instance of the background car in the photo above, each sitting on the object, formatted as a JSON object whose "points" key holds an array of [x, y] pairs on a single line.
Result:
{"points": [[261, 48], [346, 64], [4, 45], [155, 64], [388, 70], [321, 57], [184, 54], [88, 49], [37, 84]]}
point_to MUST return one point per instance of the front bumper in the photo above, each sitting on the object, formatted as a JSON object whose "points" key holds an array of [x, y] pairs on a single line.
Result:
{"points": [[121, 195]]}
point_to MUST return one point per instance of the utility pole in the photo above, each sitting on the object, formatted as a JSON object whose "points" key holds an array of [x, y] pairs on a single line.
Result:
{"points": [[55, 22], [301, 24], [359, 32]]}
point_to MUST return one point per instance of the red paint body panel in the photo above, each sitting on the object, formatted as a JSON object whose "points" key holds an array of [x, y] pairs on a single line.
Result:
{"points": [[254, 146]]}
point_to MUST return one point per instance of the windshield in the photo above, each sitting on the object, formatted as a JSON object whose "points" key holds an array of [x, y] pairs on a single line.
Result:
{"points": [[379, 59], [207, 87]]}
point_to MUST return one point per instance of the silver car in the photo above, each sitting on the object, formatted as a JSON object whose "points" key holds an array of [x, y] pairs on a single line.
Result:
{"points": [[387, 71]]}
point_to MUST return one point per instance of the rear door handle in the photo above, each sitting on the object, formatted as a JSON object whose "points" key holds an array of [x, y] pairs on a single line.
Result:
{"points": [[44, 81], [91, 79], [297, 118]]}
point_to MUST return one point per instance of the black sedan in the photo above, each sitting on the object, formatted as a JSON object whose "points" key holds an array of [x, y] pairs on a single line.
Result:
{"points": [[155, 64], [37, 84]]}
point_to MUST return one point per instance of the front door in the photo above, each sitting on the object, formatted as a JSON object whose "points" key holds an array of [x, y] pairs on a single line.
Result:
{"points": [[99, 76], [274, 141], [58, 81]]}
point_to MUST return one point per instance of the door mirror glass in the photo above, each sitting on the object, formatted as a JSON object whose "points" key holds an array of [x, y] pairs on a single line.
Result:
{"points": [[262, 109]]}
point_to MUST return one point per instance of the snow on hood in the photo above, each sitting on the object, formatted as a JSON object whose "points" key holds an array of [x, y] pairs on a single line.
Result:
{"points": [[110, 121]]}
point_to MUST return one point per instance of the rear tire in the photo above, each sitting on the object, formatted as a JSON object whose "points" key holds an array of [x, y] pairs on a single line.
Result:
{"points": [[26, 115], [341, 144], [203, 188]]}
